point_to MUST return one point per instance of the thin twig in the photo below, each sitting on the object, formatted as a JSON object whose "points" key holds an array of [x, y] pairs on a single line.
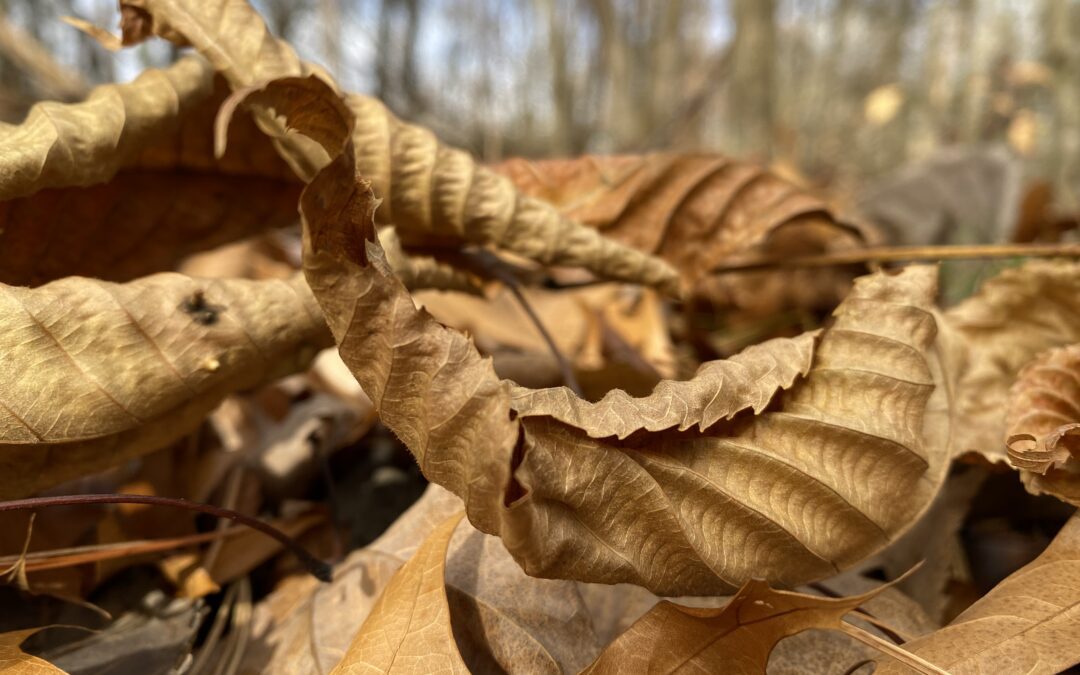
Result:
{"points": [[319, 569], [81, 555], [885, 647], [905, 254], [564, 365]]}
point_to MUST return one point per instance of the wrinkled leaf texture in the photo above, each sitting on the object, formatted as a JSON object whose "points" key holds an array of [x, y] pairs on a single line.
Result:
{"points": [[1044, 424], [1027, 624], [93, 373]]}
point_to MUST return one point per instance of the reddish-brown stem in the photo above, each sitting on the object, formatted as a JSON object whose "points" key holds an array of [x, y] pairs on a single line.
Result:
{"points": [[319, 569]]}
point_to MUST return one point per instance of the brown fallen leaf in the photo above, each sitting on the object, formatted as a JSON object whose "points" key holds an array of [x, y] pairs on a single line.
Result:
{"points": [[93, 373], [609, 333], [696, 211], [1044, 424], [14, 661], [1014, 317], [821, 650], [736, 638], [1026, 624], [430, 192], [134, 166], [778, 495], [835, 468]]}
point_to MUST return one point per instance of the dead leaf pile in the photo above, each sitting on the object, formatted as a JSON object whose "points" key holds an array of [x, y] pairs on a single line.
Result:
{"points": [[299, 375]]}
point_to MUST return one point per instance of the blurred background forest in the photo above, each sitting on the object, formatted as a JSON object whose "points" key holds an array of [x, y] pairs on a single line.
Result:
{"points": [[833, 93]]}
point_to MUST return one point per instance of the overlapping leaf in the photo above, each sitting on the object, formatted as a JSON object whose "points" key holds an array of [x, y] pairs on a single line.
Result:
{"points": [[93, 373], [696, 211], [992, 335], [736, 638], [430, 192], [500, 618], [126, 183], [1027, 624], [1044, 424]]}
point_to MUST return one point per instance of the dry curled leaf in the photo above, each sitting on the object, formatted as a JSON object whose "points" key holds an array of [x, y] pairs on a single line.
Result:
{"points": [[838, 469], [134, 167], [93, 373], [718, 391], [992, 335], [1044, 424], [1026, 624], [430, 192], [696, 211], [736, 638]]}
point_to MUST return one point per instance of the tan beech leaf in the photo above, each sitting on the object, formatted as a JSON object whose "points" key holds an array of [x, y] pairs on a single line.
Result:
{"points": [[431, 193], [14, 661], [1027, 624], [133, 167], [653, 510], [835, 468], [1017, 315], [408, 629], [696, 211], [846, 461], [93, 373], [1044, 424], [736, 638], [501, 618]]}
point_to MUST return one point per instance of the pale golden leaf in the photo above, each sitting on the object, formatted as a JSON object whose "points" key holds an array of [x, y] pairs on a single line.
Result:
{"points": [[93, 373], [408, 630], [431, 193], [1044, 424], [14, 661], [992, 335], [1027, 624]]}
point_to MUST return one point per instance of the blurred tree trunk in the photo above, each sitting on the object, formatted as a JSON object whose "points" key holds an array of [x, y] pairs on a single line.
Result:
{"points": [[563, 135], [330, 17], [397, 77], [614, 73], [752, 75], [1061, 52]]}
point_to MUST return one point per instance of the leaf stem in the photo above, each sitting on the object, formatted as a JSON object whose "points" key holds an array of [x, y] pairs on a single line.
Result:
{"points": [[904, 254], [885, 647], [319, 569]]}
